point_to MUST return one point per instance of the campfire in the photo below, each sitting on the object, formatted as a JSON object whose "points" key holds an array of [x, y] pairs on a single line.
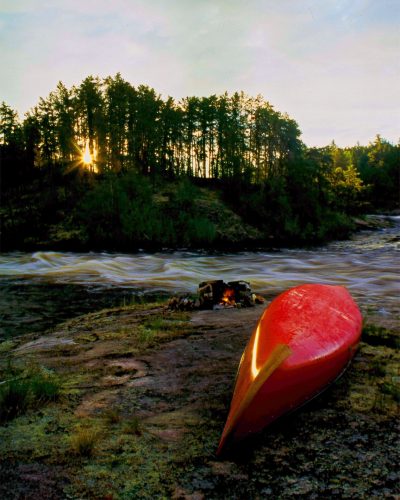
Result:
{"points": [[216, 294], [228, 297], [219, 295]]}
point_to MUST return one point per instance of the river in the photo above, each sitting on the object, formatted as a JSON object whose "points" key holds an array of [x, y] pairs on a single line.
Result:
{"points": [[41, 289]]}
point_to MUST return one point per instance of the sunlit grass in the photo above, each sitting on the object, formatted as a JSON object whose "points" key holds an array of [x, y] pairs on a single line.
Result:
{"points": [[84, 441]]}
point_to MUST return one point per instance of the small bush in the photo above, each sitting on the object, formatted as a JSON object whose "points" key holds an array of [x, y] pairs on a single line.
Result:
{"points": [[45, 388], [334, 225], [29, 390], [392, 390], [156, 323], [83, 442], [133, 426], [6, 346], [200, 231], [378, 368], [112, 416], [145, 335], [14, 399]]}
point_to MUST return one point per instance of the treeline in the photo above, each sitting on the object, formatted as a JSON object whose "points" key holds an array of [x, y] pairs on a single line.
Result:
{"points": [[133, 129], [97, 154]]}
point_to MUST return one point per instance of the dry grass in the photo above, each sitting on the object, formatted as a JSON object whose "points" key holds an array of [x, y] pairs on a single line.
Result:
{"points": [[84, 441]]}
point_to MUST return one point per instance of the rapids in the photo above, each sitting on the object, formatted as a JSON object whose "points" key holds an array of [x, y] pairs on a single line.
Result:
{"points": [[43, 288]]}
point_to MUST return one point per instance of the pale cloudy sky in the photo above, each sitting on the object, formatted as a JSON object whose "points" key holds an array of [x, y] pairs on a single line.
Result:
{"points": [[332, 65]]}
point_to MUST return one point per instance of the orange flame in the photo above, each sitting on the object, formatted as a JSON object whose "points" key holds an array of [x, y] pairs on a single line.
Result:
{"points": [[228, 296]]}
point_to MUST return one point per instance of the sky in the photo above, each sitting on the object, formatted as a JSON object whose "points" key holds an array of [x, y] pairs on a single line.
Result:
{"points": [[332, 65]]}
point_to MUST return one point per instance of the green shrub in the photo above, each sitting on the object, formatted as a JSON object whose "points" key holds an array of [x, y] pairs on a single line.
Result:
{"points": [[183, 198], [6, 346], [157, 323], [119, 212], [27, 391], [200, 231], [45, 387], [112, 416], [133, 426], [14, 399], [334, 225], [392, 389], [145, 335]]}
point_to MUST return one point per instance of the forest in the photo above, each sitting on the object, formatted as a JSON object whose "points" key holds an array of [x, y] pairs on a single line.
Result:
{"points": [[106, 165]]}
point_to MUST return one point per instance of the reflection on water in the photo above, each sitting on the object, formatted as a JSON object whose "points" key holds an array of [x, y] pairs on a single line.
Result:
{"points": [[368, 265]]}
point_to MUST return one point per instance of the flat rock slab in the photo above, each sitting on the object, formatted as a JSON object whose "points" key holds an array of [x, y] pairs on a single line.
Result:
{"points": [[342, 444], [196, 373]]}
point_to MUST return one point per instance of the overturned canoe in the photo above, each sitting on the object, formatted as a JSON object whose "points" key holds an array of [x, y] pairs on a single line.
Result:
{"points": [[303, 341]]}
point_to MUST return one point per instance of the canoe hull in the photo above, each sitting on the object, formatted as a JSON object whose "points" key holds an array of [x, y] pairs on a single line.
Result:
{"points": [[303, 341]]}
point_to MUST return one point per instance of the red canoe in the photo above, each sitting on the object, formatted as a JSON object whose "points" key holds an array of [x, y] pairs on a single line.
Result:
{"points": [[303, 341]]}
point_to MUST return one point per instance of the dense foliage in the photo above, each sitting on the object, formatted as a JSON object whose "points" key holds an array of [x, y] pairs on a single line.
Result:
{"points": [[131, 190]]}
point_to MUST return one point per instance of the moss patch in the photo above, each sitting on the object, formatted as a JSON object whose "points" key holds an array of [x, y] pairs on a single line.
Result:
{"points": [[378, 335]]}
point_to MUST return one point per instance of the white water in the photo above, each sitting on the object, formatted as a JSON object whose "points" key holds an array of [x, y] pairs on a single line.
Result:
{"points": [[368, 265]]}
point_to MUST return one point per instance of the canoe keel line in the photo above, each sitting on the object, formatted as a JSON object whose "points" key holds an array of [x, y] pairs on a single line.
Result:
{"points": [[302, 343]]}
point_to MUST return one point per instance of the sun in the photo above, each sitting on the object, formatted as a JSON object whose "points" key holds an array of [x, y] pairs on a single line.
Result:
{"points": [[86, 156]]}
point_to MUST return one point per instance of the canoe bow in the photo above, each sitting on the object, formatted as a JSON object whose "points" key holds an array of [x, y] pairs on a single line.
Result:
{"points": [[277, 357]]}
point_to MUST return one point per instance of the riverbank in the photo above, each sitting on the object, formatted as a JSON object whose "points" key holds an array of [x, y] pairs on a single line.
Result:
{"points": [[129, 213], [42, 289], [144, 395]]}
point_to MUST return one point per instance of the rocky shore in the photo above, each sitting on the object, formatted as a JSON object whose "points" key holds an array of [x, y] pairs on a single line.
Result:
{"points": [[144, 393]]}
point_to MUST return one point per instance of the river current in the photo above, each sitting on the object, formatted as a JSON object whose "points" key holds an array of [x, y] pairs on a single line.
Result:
{"points": [[40, 289]]}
